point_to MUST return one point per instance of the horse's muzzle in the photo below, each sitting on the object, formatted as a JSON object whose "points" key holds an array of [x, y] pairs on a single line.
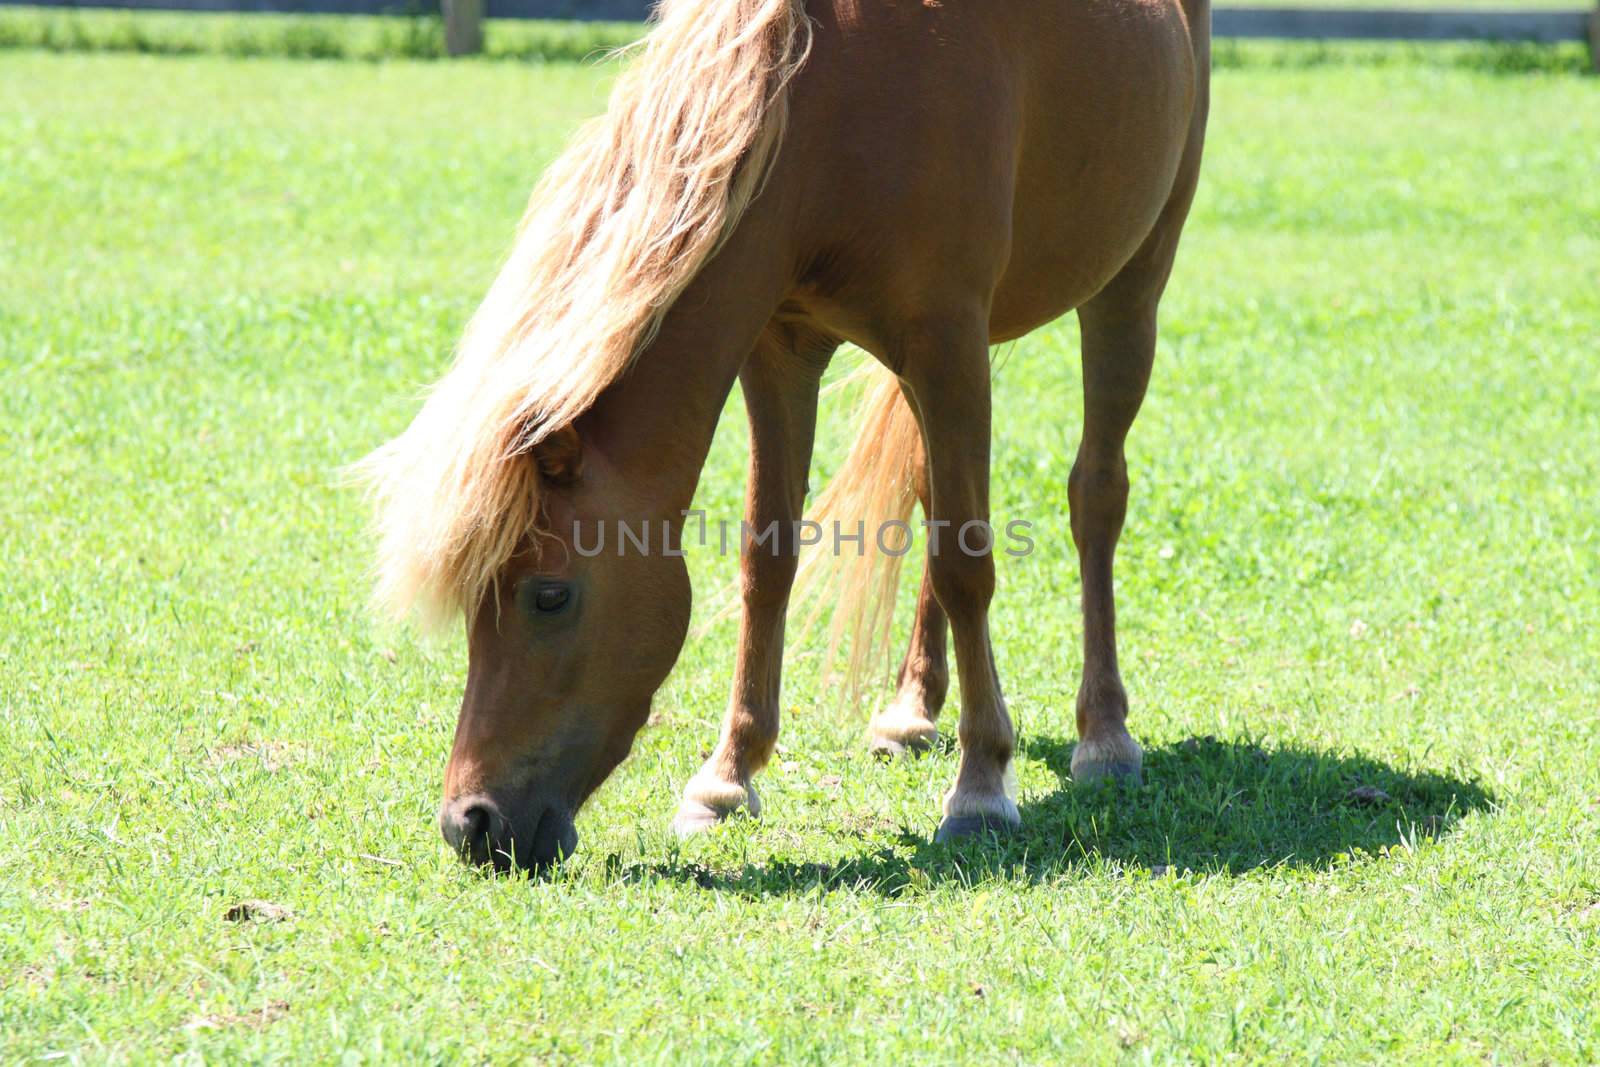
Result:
{"points": [[483, 834]]}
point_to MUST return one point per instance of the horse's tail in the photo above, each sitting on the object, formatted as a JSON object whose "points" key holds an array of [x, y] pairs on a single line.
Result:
{"points": [[874, 490]]}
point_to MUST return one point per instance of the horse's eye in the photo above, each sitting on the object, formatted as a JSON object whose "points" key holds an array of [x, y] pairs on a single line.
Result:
{"points": [[550, 598], [546, 598]]}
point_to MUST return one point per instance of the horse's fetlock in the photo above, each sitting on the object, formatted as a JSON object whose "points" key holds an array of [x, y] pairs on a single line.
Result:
{"points": [[1103, 697]]}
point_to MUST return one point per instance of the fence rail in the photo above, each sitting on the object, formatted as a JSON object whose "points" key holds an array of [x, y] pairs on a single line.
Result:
{"points": [[1377, 24], [464, 34], [575, 10]]}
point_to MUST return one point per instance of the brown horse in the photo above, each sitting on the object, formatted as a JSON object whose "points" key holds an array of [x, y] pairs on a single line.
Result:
{"points": [[922, 178]]}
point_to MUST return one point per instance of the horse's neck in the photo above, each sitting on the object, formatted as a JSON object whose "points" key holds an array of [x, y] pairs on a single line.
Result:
{"points": [[656, 424]]}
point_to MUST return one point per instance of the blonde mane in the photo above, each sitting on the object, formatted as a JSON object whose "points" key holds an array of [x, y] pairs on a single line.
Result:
{"points": [[614, 231]]}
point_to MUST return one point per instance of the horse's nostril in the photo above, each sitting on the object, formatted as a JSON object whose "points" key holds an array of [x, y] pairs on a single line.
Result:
{"points": [[467, 826], [484, 834], [474, 826]]}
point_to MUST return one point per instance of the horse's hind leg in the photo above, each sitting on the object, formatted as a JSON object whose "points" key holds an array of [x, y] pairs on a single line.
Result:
{"points": [[908, 724], [1119, 344], [1118, 348], [946, 370], [780, 383]]}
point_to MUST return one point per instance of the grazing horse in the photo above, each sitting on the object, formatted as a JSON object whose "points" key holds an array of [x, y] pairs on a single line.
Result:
{"points": [[922, 178]]}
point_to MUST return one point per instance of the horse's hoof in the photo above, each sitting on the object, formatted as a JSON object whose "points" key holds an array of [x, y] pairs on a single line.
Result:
{"points": [[707, 802], [1116, 759], [957, 827], [693, 819], [894, 747], [895, 733]]}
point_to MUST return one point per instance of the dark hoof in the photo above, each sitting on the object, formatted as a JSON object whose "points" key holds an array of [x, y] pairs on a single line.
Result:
{"points": [[1114, 759], [957, 827], [1118, 773], [888, 748]]}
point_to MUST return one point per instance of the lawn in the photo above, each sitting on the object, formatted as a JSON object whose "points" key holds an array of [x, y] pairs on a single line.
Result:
{"points": [[1363, 551]]}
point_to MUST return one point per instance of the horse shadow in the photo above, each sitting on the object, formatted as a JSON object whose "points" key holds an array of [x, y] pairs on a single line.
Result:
{"points": [[1207, 805]]}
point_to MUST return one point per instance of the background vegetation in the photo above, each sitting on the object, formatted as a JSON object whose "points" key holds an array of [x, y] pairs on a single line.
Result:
{"points": [[421, 36], [1359, 590]]}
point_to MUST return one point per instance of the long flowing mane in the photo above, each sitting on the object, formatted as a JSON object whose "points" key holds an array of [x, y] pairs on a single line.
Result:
{"points": [[614, 231]]}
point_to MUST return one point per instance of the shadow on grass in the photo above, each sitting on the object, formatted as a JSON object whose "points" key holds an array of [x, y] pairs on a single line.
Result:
{"points": [[1207, 805]]}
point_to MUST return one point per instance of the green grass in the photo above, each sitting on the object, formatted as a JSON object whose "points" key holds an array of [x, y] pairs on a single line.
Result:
{"points": [[1364, 549]]}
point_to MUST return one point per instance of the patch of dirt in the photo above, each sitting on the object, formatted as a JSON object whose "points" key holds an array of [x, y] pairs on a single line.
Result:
{"points": [[1586, 913], [1129, 1035], [1367, 796], [860, 822], [259, 911], [36, 977], [274, 755], [269, 1012]]}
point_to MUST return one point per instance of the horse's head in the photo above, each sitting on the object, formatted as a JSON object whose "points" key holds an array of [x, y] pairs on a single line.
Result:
{"points": [[566, 650]]}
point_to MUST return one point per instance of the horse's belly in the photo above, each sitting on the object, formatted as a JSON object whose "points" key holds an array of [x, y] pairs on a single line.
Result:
{"points": [[1036, 290], [1058, 269]]}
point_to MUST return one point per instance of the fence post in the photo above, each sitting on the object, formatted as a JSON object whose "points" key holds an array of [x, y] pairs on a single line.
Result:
{"points": [[1594, 38], [463, 27]]}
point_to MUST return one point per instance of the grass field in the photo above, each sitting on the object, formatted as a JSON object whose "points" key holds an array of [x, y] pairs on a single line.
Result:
{"points": [[1364, 550]]}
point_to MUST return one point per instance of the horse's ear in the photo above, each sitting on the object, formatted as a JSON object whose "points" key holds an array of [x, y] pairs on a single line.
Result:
{"points": [[560, 456]]}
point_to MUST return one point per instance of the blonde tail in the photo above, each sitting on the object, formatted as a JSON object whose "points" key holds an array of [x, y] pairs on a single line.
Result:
{"points": [[878, 485]]}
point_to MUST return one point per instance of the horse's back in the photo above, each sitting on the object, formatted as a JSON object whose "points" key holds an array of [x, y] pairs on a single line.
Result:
{"points": [[1022, 147]]}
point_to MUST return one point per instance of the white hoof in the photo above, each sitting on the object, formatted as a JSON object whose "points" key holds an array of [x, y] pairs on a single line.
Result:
{"points": [[708, 801], [897, 731]]}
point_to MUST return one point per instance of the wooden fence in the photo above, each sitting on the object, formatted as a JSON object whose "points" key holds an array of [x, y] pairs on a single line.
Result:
{"points": [[463, 19], [1378, 24]]}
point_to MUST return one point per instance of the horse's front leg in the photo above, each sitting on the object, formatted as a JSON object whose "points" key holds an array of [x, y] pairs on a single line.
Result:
{"points": [[945, 367], [780, 393]]}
